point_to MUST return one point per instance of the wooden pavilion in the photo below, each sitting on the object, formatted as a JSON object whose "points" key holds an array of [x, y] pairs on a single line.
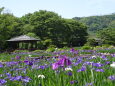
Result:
{"points": [[23, 42]]}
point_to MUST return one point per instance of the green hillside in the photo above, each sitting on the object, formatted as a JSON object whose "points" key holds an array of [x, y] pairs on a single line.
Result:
{"points": [[96, 23]]}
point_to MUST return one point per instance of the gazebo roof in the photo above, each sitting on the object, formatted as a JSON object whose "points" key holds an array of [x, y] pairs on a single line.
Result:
{"points": [[23, 38]]}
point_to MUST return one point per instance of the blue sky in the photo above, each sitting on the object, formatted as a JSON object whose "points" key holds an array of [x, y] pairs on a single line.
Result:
{"points": [[65, 8]]}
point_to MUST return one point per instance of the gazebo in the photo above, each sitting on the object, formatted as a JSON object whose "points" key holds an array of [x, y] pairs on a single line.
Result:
{"points": [[23, 42]]}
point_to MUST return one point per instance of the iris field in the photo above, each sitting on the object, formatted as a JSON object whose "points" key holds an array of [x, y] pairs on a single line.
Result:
{"points": [[70, 67]]}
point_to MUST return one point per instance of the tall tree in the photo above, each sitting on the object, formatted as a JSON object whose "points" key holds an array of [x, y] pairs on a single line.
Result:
{"points": [[107, 36], [9, 27]]}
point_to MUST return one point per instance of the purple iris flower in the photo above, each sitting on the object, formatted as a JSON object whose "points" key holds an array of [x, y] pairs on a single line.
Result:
{"points": [[20, 78], [61, 62], [8, 75], [99, 70], [30, 63], [26, 61], [69, 73], [82, 69], [19, 69], [12, 78], [2, 81], [64, 61], [75, 64], [79, 60], [107, 62], [26, 79], [1, 65], [97, 64], [12, 63], [41, 67], [73, 81], [87, 63], [104, 57], [35, 67], [112, 77], [18, 57], [72, 50], [55, 66], [113, 55], [89, 84]]}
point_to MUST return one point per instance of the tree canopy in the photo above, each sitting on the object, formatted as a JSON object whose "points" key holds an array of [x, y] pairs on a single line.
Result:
{"points": [[96, 23], [46, 25], [107, 36]]}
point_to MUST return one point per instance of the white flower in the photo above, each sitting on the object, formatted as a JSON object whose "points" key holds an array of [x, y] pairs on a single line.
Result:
{"points": [[29, 55], [41, 76], [93, 56], [112, 65], [68, 69]]}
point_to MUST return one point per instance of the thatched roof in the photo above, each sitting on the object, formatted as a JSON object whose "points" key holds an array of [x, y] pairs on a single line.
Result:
{"points": [[23, 38]]}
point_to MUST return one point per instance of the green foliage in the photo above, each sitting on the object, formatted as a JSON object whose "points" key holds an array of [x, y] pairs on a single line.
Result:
{"points": [[19, 51], [51, 29], [106, 46], [9, 27], [107, 36], [45, 25], [33, 35], [38, 51], [17, 68], [96, 23], [52, 46], [92, 42], [65, 48], [47, 42], [52, 49], [1, 10], [106, 50], [86, 47]]}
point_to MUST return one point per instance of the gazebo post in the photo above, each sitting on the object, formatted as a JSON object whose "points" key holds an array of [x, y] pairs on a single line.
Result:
{"points": [[18, 45], [22, 45], [36, 44]]}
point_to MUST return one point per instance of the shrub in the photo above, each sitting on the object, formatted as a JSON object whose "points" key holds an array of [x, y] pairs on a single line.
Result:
{"points": [[86, 48], [19, 51], [106, 45], [52, 49], [38, 51], [92, 42]]}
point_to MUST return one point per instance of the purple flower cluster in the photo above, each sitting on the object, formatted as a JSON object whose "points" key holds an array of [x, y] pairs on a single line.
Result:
{"points": [[89, 84], [112, 77], [30, 63], [18, 57], [73, 82], [97, 64], [1, 65], [2, 81], [99, 70], [64, 61], [83, 68], [20, 78]]}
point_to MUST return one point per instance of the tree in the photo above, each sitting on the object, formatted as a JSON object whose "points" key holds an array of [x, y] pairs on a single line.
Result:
{"points": [[1, 10], [107, 36], [9, 27], [58, 31], [77, 33]]}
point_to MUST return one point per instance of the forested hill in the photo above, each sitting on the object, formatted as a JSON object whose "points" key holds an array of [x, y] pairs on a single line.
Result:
{"points": [[96, 23]]}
